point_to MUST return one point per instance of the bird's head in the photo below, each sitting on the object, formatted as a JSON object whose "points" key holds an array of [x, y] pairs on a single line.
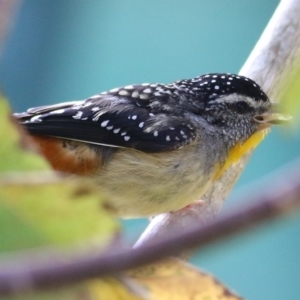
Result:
{"points": [[235, 105]]}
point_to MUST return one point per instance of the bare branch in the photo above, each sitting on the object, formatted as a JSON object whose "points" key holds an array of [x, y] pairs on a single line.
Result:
{"points": [[273, 58], [31, 272]]}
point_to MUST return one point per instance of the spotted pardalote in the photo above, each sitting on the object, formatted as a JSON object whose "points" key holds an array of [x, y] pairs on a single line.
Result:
{"points": [[154, 148]]}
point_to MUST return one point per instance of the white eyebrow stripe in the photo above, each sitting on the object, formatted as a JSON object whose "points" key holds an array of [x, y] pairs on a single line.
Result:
{"points": [[237, 97]]}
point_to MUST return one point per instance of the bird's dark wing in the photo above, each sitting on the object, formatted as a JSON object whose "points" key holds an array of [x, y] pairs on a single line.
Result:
{"points": [[139, 117]]}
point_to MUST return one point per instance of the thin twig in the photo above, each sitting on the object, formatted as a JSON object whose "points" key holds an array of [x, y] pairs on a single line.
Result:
{"points": [[49, 270]]}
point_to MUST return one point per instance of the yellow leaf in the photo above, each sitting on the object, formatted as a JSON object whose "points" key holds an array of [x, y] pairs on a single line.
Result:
{"points": [[98, 289], [170, 279], [111, 288], [173, 279]]}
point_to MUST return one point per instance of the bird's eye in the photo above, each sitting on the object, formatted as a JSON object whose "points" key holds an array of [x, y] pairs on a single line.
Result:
{"points": [[242, 107]]}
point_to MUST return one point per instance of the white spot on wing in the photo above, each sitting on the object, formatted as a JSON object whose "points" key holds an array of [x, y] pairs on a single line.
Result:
{"points": [[123, 93], [104, 123], [135, 94], [36, 118], [96, 108], [78, 115], [128, 87], [58, 111], [126, 138], [117, 130]]}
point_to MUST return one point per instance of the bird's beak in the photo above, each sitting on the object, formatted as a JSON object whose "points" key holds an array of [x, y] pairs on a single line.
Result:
{"points": [[271, 117]]}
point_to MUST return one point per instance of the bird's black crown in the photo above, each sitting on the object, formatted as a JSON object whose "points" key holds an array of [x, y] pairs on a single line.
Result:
{"points": [[214, 85]]}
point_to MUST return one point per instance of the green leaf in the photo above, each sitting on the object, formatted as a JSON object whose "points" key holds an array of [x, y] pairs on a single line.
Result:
{"points": [[37, 207], [291, 97], [61, 212], [13, 157]]}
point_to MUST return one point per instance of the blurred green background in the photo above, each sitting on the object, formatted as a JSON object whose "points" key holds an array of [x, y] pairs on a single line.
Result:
{"points": [[63, 50]]}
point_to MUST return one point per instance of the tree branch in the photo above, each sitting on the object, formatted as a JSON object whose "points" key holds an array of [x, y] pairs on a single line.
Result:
{"points": [[26, 272], [272, 60]]}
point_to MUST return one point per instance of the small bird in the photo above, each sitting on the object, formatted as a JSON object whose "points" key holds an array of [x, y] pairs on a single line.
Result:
{"points": [[154, 148]]}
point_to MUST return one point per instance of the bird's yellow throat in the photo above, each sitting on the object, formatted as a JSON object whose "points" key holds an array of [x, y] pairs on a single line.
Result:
{"points": [[236, 153]]}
